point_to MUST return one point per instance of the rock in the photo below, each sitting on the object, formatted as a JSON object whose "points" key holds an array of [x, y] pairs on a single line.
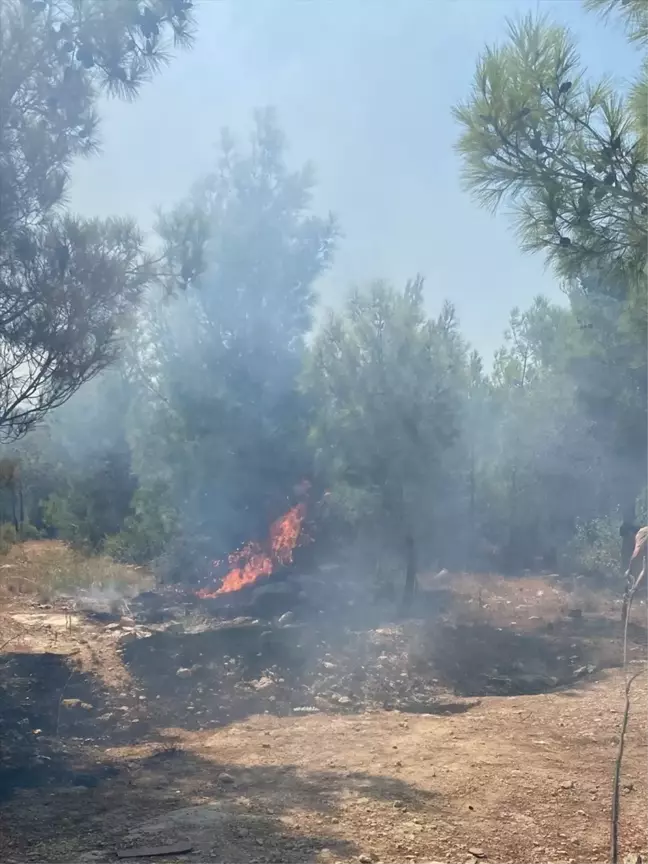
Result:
{"points": [[125, 621], [632, 858], [343, 700], [264, 683], [286, 618], [567, 784], [226, 778], [183, 672], [477, 851], [575, 613], [75, 703], [365, 859]]}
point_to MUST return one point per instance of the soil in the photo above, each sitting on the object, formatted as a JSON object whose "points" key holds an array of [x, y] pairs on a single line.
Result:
{"points": [[93, 761]]}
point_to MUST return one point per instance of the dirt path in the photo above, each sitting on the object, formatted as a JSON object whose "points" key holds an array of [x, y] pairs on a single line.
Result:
{"points": [[519, 779]]}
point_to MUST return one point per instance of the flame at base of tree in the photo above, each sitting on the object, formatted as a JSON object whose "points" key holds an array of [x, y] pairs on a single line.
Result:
{"points": [[256, 560]]}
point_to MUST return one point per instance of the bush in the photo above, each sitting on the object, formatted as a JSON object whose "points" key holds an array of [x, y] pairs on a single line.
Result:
{"points": [[595, 548], [8, 537], [133, 546], [30, 532]]}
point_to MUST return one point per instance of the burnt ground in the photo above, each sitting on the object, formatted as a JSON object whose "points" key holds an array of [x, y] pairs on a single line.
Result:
{"points": [[489, 723]]}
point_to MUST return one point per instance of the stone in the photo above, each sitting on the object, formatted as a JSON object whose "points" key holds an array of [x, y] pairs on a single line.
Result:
{"points": [[226, 778], [183, 672], [567, 784]]}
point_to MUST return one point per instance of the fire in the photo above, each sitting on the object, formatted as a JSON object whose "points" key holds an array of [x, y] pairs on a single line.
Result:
{"points": [[255, 560]]}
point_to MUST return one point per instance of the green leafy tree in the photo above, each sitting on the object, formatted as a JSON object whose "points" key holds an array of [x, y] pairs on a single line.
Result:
{"points": [[222, 423], [67, 285], [382, 380]]}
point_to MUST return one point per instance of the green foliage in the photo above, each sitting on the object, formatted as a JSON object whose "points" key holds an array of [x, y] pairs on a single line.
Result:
{"points": [[146, 532], [571, 157], [594, 550], [30, 532], [8, 537], [566, 153], [67, 285], [382, 379], [222, 429]]}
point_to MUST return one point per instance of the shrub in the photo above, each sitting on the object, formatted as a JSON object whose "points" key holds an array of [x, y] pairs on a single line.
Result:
{"points": [[595, 548], [8, 537]]}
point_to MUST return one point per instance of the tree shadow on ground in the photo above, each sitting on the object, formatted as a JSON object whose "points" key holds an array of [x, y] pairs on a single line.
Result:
{"points": [[227, 812], [48, 707]]}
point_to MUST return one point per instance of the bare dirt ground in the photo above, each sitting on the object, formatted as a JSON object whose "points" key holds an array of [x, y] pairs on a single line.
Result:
{"points": [[494, 778]]}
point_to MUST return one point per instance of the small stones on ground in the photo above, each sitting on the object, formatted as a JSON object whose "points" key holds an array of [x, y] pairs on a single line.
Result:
{"points": [[477, 851], [75, 703], [567, 784], [365, 859], [226, 778], [183, 672]]}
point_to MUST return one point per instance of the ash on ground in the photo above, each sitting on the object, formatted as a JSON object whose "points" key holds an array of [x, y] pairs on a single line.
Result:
{"points": [[287, 646]]}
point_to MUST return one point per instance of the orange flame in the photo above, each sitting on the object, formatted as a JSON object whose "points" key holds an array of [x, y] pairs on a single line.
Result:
{"points": [[255, 560]]}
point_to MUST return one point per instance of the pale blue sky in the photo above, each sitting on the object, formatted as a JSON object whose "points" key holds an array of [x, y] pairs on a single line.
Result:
{"points": [[364, 88]]}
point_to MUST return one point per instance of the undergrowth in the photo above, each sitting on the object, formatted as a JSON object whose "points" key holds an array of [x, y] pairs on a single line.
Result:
{"points": [[50, 569]]}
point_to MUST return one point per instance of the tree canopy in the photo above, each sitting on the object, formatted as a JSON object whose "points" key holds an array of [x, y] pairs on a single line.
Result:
{"points": [[67, 285]]}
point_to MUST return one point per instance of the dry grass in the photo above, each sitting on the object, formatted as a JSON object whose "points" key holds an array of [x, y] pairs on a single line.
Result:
{"points": [[49, 568]]}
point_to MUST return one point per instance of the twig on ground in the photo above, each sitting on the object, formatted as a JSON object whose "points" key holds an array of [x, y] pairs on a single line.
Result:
{"points": [[60, 702]]}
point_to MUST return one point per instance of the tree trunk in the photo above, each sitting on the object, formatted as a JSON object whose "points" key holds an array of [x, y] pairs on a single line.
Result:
{"points": [[14, 504], [21, 505], [410, 573]]}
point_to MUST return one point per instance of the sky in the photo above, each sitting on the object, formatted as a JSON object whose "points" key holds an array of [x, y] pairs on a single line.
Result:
{"points": [[363, 89]]}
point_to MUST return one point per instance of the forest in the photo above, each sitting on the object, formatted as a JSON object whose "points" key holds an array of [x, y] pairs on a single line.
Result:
{"points": [[290, 579], [160, 402]]}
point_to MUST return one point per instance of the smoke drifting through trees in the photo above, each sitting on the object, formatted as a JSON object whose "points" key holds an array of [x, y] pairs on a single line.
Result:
{"points": [[225, 397], [193, 444]]}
